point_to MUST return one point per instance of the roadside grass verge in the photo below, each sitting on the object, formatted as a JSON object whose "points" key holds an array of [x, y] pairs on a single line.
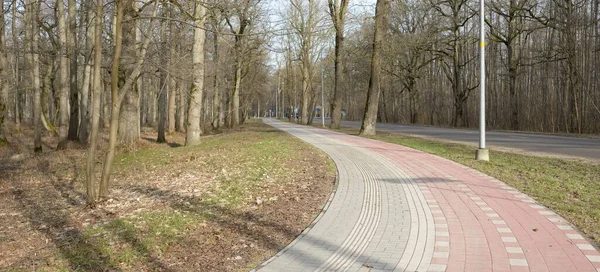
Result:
{"points": [[226, 204], [569, 187], [236, 176], [233, 173]]}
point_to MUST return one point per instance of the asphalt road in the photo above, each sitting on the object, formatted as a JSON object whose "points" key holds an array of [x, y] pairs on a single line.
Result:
{"points": [[529, 143]]}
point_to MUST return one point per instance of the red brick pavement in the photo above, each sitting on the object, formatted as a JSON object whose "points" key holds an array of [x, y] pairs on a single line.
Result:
{"points": [[483, 224]]}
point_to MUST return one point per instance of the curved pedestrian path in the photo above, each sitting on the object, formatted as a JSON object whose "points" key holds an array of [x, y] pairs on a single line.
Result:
{"points": [[399, 209]]}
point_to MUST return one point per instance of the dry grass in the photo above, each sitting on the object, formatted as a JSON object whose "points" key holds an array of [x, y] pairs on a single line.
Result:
{"points": [[226, 204]]}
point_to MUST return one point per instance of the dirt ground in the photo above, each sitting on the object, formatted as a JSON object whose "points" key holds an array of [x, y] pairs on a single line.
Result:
{"points": [[46, 226]]}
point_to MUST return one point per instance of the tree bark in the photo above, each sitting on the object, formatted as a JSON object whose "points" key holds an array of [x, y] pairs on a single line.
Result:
{"points": [[238, 48], [181, 110], [164, 86], [73, 53], [114, 91], [193, 128], [96, 100], [87, 76], [119, 89], [3, 77], [15, 40], [129, 121], [32, 8], [370, 117], [63, 78], [172, 83], [338, 14], [235, 96], [216, 124], [306, 86]]}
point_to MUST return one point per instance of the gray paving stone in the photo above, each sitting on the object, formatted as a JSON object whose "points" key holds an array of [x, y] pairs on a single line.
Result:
{"points": [[377, 220]]}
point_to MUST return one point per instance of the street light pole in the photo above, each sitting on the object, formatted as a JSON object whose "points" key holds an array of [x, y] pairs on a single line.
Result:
{"points": [[483, 153], [277, 97], [322, 93]]}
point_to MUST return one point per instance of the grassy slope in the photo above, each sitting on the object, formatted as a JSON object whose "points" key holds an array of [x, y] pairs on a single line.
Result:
{"points": [[241, 167]]}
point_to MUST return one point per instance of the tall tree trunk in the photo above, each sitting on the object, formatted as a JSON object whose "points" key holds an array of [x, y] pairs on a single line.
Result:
{"points": [[216, 87], [457, 82], [193, 128], [172, 87], [574, 78], [162, 109], [87, 75], [73, 53], [512, 86], [129, 121], [181, 109], [3, 77], [33, 10], [15, 40], [96, 100], [63, 79], [163, 86], [235, 95], [114, 91], [106, 105], [370, 117], [172, 83], [120, 85], [338, 14], [306, 88]]}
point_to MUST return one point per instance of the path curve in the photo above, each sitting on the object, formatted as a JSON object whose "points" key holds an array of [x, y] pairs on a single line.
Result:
{"points": [[399, 209]]}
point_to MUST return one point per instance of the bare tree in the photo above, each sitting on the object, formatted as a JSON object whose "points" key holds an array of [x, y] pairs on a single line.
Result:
{"points": [[218, 114], [303, 21], [408, 52], [129, 120], [512, 33], [87, 72], [63, 79], [96, 101], [3, 76], [172, 83], [239, 11], [337, 11], [121, 84], [73, 52], [164, 82], [15, 44], [193, 128], [370, 118], [32, 33]]}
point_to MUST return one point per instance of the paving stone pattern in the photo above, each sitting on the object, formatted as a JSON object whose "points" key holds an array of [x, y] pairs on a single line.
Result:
{"points": [[399, 209]]}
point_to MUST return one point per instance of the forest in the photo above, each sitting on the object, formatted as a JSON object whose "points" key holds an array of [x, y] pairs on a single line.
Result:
{"points": [[77, 69]]}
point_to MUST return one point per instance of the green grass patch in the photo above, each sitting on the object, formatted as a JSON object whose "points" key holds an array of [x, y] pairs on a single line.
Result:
{"points": [[142, 158], [134, 239], [571, 188]]}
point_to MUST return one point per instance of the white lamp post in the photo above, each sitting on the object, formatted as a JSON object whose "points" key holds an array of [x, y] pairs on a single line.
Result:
{"points": [[322, 93], [483, 153]]}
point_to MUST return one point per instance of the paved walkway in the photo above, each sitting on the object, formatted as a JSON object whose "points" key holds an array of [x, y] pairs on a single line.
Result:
{"points": [[398, 209]]}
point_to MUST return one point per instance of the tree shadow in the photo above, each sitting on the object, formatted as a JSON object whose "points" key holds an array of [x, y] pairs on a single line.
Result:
{"points": [[55, 209], [426, 180], [170, 144], [250, 224], [50, 217]]}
